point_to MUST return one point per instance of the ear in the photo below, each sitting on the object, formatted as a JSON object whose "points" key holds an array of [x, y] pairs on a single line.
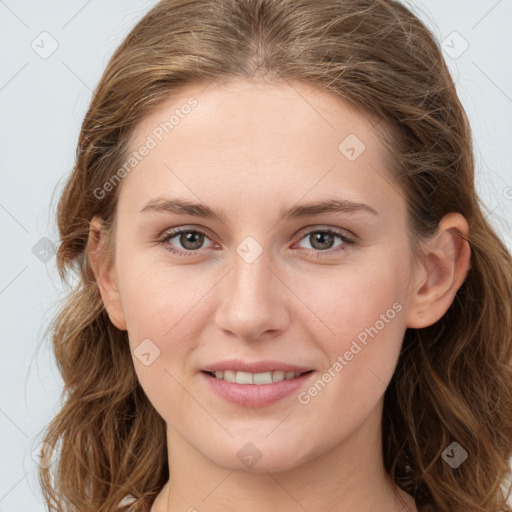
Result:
{"points": [[105, 275], [441, 273]]}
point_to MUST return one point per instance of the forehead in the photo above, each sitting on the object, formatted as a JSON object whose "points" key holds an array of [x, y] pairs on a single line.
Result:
{"points": [[221, 112], [239, 137]]}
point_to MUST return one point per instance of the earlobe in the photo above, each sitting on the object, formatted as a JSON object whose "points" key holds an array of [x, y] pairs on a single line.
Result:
{"points": [[444, 269], [104, 273]]}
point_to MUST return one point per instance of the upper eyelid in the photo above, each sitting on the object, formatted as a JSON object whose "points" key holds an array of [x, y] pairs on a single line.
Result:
{"points": [[315, 228]]}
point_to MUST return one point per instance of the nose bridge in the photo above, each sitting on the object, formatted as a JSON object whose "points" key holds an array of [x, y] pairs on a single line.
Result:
{"points": [[250, 279], [250, 304]]}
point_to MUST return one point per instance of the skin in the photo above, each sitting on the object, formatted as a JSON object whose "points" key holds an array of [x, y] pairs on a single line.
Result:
{"points": [[252, 149]]}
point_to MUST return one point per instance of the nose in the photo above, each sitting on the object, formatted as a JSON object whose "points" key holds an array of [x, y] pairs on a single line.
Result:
{"points": [[254, 300]]}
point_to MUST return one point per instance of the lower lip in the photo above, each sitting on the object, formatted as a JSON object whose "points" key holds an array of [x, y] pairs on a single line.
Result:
{"points": [[255, 395]]}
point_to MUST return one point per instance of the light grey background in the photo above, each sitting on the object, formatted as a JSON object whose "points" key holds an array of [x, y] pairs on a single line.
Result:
{"points": [[42, 104]]}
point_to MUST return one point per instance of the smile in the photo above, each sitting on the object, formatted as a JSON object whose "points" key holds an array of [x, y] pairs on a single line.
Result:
{"points": [[240, 377]]}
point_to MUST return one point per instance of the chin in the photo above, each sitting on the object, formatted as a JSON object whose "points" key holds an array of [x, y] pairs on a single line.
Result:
{"points": [[257, 457]]}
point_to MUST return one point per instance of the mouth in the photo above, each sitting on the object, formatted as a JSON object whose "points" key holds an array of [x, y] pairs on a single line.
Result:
{"points": [[241, 377]]}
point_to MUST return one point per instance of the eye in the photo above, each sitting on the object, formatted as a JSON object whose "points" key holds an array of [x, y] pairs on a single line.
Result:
{"points": [[322, 240], [191, 240]]}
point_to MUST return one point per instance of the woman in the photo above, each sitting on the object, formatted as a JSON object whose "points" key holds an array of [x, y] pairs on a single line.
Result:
{"points": [[289, 297]]}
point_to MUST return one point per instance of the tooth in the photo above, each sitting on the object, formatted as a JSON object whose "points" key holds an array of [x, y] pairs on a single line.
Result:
{"points": [[229, 375], [277, 376], [263, 378], [255, 378], [243, 378]]}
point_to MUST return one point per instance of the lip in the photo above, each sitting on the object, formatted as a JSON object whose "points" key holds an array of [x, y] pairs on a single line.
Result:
{"points": [[239, 365], [255, 395]]}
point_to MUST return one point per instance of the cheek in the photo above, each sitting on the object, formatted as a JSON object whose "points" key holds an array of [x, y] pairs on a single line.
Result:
{"points": [[157, 297], [160, 307], [351, 300], [359, 324]]}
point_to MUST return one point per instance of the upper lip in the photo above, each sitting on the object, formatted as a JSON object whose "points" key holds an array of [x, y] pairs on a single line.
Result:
{"points": [[254, 366]]}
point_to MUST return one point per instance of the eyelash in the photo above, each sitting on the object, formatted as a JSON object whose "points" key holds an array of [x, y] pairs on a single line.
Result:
{"points": [[347, 241]]}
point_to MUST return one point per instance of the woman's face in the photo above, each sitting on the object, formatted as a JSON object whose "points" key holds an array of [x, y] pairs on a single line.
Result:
{"points": [[272, 277]]}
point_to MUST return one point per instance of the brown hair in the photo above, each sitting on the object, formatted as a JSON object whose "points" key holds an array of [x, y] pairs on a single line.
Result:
{"points": [[453, 382]]}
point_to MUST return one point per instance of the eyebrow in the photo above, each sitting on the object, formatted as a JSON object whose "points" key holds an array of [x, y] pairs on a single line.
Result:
{"points": [[184, 207]]}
